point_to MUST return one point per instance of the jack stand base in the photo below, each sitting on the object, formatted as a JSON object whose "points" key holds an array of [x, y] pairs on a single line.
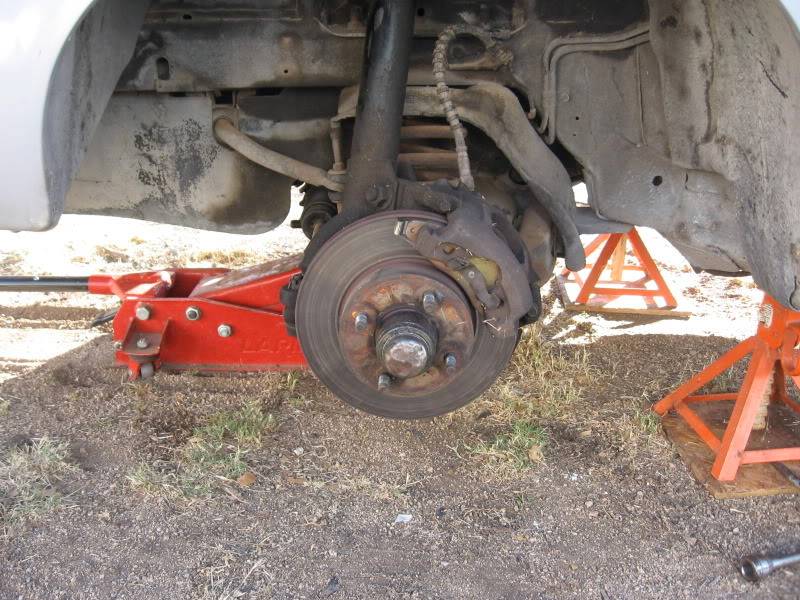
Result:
{"points": [[608, 295], [774, 356]]}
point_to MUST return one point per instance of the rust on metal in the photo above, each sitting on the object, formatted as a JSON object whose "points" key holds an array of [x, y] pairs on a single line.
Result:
{"points": [[405, 283]]}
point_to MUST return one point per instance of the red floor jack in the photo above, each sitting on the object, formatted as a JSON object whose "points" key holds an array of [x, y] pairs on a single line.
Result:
{"points": [[204, 319], [774, 356]]}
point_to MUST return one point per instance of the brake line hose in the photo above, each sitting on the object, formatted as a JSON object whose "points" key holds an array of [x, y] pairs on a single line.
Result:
{"points": [[442, 89], [440, 66]]}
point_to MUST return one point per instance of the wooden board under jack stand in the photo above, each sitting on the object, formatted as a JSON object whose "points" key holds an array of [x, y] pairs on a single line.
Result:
{"points": [[624, 305], [751, 480], [620, 278]]}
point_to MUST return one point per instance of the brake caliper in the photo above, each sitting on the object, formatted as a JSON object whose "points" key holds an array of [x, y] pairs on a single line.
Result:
{"points": [[482, 251]]}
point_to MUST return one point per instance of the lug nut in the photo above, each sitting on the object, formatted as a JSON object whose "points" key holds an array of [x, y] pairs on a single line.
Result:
{"points": [[118, 345], [450, 361], [142, 343], [143, 312], [193, 313], [224, 330], [384, 381], [430, 301], [361, 321]]}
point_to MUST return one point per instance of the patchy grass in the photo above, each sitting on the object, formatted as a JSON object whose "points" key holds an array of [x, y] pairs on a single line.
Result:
{"points": [[111, 255], [542, 382], [521, 447], [11, 259], [227, 258], [215, 454], [541, 385], [245, 426], [5, 406], [649, 421], [627, 430], [28, 475], [300, 390]]}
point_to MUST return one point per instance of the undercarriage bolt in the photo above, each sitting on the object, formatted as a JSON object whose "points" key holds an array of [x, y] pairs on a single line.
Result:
{"points": [[193, 313], [371, 195], [361, 321], [430, 301], [450, 361], [142, 343], [143, 312], [118, 345], [225, 330], [384, 381]]}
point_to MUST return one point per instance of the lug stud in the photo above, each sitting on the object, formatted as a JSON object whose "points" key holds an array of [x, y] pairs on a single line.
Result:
{"points": [[450, 361], [143, 312], [193, 313], [224, 330], [430, 301], [384, 380], [361, 321]]}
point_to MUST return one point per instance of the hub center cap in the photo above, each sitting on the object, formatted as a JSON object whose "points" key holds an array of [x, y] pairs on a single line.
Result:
{"points": [[406, 342]]}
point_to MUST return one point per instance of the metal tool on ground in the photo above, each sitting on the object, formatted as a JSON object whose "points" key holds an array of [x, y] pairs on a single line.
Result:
{"points": [[754, 568], [205, 319], [606, 281], [774, 354]]}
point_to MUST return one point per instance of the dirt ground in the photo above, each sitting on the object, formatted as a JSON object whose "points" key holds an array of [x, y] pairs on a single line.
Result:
{"points": [[603, 508]]}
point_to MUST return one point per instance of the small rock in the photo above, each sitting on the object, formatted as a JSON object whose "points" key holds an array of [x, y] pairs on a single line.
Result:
{"points": [[332, 587], [246, 479]]}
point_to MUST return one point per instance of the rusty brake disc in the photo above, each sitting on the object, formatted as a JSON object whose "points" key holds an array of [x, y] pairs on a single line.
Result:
{"points": [[387, 331]]}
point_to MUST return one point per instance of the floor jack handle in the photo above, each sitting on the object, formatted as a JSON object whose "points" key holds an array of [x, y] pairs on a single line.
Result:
{"points": [[44, 284]]}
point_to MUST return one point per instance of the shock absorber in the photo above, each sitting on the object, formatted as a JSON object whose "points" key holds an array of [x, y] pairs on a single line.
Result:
{"points": [[379, 115]]}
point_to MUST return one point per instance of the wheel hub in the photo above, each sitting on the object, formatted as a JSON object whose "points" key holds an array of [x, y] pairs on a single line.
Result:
{"points": [[406, 341], [387, 331], [403, 317]]}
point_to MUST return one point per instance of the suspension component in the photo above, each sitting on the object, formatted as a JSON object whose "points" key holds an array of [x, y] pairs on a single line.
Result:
{"points": [[376, 135], [317, 210]]}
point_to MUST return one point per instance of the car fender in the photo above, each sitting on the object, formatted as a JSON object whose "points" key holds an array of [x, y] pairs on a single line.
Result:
{"points": [[59, 63]]}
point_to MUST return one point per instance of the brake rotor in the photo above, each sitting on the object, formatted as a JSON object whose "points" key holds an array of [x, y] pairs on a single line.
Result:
{"points": [[389, 333]]}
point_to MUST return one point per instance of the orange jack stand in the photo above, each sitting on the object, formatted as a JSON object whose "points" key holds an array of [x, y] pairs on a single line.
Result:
{"points": [[596, 293], [774, 355]]}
